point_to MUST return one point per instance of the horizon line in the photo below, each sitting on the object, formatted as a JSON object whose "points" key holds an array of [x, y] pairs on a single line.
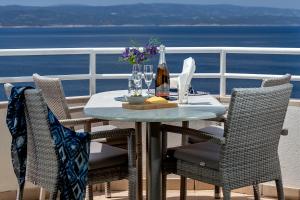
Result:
{"points": [[154, 3]]}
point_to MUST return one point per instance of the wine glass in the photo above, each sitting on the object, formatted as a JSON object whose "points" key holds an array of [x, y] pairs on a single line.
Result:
{"points": [[137, 79], [148, 76]]}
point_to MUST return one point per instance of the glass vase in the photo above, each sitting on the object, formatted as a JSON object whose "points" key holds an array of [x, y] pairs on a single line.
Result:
{"points": [[137, 77]]}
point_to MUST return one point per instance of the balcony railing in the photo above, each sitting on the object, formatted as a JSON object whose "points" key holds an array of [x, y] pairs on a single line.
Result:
{"points": [[92, 76]]}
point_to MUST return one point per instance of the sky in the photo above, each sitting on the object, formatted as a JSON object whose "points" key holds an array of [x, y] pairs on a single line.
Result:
{"points": [[265, 3]]}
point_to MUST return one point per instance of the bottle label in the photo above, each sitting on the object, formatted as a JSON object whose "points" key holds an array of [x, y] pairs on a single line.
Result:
{"points": [[163, 90]]}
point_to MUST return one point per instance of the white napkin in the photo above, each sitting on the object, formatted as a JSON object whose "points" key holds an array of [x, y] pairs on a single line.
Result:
{"points": [[185, 78]]}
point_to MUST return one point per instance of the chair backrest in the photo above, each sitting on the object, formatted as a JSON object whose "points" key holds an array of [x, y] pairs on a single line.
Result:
{"points": [[54, 95], [276, 81], [7, 89], [252, 132], [42, 158]]}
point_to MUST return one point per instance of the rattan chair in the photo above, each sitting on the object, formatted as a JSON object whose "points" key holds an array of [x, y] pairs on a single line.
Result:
{"points": [[54, 96], [218, 130], [247, 154], [107, 163]]}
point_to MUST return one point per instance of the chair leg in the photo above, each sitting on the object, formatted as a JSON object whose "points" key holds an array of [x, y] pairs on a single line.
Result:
{"points": [[217, 192], [182, 188], [256, 192], [279, 187], [42, 194], [226, 194], [20, 194], [183, 179], [107, 190], [89, 195], [164, 186]]}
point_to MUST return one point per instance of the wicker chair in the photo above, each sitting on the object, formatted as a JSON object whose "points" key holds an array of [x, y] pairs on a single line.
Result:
{"points": [[54, 96], [248, 152], [107, 163], [219, 130]]}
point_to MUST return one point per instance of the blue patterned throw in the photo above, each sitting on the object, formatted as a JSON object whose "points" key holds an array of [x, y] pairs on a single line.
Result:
{"points": [[73, 148], [16, 124]]}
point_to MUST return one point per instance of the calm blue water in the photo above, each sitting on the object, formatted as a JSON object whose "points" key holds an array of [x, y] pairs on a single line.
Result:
{"points": [[170, 36]]}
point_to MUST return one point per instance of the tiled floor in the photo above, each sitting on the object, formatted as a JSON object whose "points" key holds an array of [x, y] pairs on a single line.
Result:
{"points": [[174, 195]]}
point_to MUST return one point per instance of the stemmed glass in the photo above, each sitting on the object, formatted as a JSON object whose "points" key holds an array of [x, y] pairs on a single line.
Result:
{"points": [[137, 79], [148, 76]]}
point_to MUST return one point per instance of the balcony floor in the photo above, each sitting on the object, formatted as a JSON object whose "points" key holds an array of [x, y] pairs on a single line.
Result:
{"points": [[174, 195]]}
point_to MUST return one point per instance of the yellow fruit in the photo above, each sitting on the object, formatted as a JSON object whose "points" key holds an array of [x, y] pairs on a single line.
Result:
{"points": [[156, 100]]}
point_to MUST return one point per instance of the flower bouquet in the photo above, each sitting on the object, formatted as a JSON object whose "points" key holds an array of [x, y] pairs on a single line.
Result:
{"points": [[139, 55]]}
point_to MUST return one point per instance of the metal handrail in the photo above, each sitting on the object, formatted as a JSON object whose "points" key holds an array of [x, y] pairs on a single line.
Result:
{"points": [[93, 76]]}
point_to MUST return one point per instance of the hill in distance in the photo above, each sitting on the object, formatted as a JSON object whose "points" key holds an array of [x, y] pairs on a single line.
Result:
{"points": [[145, 14]]}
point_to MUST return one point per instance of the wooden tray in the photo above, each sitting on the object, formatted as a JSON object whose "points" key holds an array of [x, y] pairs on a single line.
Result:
{"points": [[148, 106]]}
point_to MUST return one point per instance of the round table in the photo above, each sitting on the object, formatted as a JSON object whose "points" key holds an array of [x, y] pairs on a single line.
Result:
{"points": [[107, 106]]}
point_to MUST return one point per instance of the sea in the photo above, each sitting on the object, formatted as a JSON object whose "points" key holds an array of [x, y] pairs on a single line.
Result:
{"points": [[171, 36]]}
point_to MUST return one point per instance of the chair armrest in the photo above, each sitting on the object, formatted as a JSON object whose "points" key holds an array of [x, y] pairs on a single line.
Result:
{"points": [[80, 121], [193, 132], [284, 132], [76, 109], [112, 133], [221, 119]]}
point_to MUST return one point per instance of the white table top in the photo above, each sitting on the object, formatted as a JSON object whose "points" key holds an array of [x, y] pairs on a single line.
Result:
{"points": [[104, 106]]}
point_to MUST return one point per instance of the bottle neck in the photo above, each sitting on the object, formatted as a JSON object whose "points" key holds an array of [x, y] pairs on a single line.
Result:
{"points": [[162, 57]]}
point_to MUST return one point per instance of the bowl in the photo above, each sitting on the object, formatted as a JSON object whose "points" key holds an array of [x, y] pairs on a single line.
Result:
{"points": [[135, 99]]}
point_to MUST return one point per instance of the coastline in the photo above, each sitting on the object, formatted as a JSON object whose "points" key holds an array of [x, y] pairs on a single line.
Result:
{"points": [[139, 25]]}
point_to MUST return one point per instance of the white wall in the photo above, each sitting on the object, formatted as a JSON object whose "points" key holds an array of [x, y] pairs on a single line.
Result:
{"points": [[289, 149], [7, 176]]}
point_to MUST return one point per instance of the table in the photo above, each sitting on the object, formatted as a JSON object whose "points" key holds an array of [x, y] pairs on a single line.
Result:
{"points": [[105, 106]]}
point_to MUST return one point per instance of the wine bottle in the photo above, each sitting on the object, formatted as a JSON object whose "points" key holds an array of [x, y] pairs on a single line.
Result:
{"points": [[162, 79]]}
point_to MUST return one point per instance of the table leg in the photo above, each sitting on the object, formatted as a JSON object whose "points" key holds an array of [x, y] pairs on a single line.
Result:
{"points": [[139, 161], [147, 159], [182, 178], [154, 153]]}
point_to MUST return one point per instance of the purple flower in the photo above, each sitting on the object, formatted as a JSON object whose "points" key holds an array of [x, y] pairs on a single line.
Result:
{"points": [[125, 54]]}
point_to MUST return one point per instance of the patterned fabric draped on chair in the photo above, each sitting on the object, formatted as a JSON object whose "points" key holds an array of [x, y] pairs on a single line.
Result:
{"points": [[16, 123], [73, 148]]}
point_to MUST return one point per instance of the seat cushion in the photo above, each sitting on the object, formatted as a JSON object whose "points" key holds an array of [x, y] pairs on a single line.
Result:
{"points": [[205, 154], [103, 155], [213, 130]]}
